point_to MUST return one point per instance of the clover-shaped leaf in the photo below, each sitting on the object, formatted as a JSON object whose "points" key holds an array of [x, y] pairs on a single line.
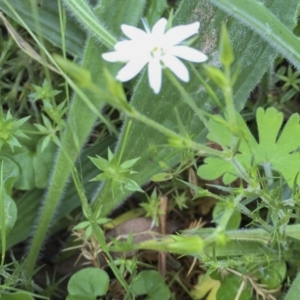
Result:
{"points": [[277, 148], [152, 284], [89, 284]]}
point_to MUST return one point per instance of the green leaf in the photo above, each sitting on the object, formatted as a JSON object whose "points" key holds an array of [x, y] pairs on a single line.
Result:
{"points": [[30, 203], [230, 286], [272, 274], [34, 166], [131, 185], [152, 284], [279, 149], [84, 13], [42, 162], [129, 163], [234, 221], [293, 293], [154, 9], [255, 15], [10, 210], [82, 225], [11, 172], [79, 298], [161, 177], [89, 282], [100, 162]]}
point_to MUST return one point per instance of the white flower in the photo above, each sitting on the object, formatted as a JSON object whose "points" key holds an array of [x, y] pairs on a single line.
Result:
{"points": [[158, 49]]}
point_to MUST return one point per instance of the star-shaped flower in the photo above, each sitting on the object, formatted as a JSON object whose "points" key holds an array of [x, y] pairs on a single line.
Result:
{"points": [[157, 48]]}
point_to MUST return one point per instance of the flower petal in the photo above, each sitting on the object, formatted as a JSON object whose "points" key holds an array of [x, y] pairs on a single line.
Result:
{"points": [[131, 69], [159, 27], [188, 53], [125, 46], [179, 33], [177, 67], [133, 32], [154, 75], [126, 51], [111, 56], [118, 56]]}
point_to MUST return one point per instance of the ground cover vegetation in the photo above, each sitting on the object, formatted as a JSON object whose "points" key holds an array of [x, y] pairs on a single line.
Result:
{"points": [[149, 149]]}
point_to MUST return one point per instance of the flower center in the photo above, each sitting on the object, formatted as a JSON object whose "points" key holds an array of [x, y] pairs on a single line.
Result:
{"points": [[157, 52]]}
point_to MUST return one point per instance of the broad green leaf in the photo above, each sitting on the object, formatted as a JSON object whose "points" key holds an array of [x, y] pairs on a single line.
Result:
{"points": [[34, 166], [10, 211], [271, 274], [29, 205], [72, 297], [278, 149], [85, 15], [251, 53], [150, 283], [230, 285], [42, 162], [11, 172], [89, 282], [293, 293], [255, 15], [49, 23]]}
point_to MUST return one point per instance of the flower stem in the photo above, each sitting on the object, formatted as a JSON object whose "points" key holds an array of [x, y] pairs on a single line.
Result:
{"points": [[187, 98], [171, 134]]}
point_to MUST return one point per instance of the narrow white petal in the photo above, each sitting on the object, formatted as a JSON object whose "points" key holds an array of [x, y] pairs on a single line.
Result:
{"points": [[131, 69], [154, 75], [179, 33], [159, 27], [125, 45], [133, 32], [177, 67], [118, 56], [111, 56], [188, 53], [129, 50]]}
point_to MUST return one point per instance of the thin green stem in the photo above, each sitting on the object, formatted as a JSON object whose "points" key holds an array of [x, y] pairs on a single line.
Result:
{"points": [[207, 87], [96, 229], [187, 98], [171, 134]]}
